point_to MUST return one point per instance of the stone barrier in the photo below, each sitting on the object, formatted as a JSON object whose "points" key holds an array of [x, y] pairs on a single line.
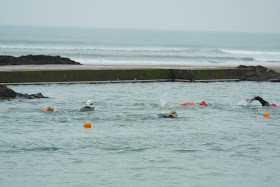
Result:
{"points": [[121, 75]]}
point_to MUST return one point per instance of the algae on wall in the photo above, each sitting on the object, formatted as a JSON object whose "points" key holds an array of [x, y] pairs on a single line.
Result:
{"points": [[206, 74], [119, 75], [82, 75]]}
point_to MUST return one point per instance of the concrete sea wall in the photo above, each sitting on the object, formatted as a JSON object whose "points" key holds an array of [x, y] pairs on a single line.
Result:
{"points": [[210, 74], [41, 76]]}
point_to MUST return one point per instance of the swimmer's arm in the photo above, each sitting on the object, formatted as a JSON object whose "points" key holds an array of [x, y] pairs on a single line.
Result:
{"points": [[188, 104], [47, 108], [250, 100], [261, 100]]}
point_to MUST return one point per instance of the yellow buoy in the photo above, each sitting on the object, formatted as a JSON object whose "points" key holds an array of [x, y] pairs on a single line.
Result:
{"points": [[266, 114], [87, 124]]}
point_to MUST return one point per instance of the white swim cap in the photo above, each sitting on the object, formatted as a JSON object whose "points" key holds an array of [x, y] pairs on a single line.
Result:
{"points": [[89, 103]]}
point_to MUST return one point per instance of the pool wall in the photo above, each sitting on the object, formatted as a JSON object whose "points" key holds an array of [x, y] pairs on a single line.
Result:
{"points": [[31, 76]]}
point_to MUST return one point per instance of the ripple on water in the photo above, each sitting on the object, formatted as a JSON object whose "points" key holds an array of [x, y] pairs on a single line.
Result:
{"points": [[186, 151]]}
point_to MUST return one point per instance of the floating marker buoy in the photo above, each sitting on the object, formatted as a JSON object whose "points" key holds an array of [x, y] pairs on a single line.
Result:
{"points": [[266, 114], [87, 124]]}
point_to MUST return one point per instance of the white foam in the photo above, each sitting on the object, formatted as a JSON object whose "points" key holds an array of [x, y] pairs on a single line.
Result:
{"points": [[243, 52], [172, 63]]}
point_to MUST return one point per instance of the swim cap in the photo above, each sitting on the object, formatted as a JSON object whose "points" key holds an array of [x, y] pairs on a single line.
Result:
{"points": [[203, 103], [173, 113], [273, 104], [89, 103]]}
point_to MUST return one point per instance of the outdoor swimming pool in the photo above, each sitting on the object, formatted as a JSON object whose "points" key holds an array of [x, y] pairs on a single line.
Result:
{"points": [[227, 143]]}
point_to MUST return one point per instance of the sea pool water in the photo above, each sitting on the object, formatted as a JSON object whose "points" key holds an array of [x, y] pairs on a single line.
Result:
{"points": [[228, 143]]}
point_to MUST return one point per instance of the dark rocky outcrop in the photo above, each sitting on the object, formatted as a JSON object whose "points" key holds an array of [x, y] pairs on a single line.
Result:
{"points": [[31, 96], [260, 73], [7, 93], [35, 59]]}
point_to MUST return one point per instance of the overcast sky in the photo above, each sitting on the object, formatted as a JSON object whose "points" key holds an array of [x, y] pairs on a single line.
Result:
{"points": [[202, 15]]}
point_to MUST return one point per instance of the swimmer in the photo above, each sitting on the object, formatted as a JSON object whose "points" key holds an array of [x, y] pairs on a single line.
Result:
{"points": [[88, 107], [261, 100], [203, 103], [171, 114], [48, 108]]}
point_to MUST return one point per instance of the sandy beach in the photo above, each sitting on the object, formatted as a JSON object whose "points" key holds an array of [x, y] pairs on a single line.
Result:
{"points": [[113, 67]]}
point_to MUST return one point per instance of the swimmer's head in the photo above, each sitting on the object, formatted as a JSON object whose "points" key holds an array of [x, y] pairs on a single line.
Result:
{"points": [[273, 104], [47, 108], [203, 103], [89, 103], [173, 113]]}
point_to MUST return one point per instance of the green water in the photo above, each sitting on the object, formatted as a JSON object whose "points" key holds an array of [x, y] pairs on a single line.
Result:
{"points": [[229, 143]]}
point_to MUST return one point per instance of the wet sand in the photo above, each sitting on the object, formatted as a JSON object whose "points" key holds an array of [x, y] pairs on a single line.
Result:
{"points": [[113, 67], [105, 67]]}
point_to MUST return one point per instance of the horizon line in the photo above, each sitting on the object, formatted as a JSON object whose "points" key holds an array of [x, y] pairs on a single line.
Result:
{"points": [[139, 29]]}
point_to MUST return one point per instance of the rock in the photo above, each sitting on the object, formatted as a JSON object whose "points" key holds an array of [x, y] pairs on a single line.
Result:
{"points": [[31, 96], [242, 66], [35, 59], [259, 73], [26, 96], [37, 95], [274, 80], [7, 93]]}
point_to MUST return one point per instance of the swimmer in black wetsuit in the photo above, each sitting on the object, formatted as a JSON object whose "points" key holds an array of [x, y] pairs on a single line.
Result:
{"points": [[171, 114], [261, 100], [88, 107]]}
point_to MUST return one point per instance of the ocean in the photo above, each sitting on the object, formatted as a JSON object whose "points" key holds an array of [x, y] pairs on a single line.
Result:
{"points": [[142, 47]]}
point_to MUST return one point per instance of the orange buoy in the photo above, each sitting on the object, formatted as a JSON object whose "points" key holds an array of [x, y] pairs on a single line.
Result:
{"points": [[266, 114], [87, 124]]}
